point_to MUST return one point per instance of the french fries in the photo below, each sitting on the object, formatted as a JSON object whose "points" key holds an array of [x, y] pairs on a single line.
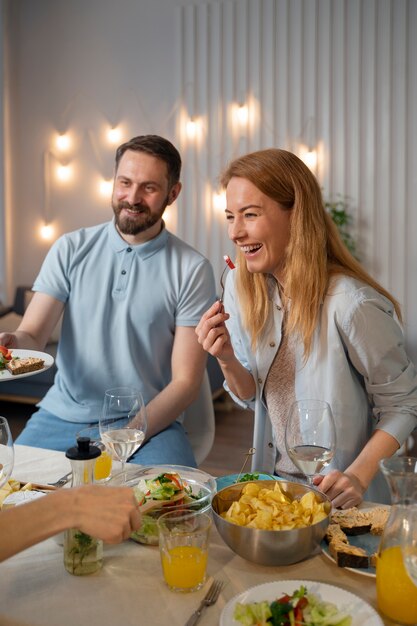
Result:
{"points": [[271, 509]]}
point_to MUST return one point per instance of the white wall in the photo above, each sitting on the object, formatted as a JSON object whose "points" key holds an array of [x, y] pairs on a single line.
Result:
{"points": [[340, 73]]}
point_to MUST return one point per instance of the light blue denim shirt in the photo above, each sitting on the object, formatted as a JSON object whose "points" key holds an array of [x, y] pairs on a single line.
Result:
{"points": [[358, 364]]}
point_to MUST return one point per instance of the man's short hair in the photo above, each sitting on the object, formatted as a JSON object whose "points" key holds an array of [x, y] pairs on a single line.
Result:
{"points": [[158, 147]]}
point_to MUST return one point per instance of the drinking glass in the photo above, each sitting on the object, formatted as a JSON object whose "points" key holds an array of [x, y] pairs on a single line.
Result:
{"points": [[183, 547], [310, 436], [6, 451], [123, 422], [103, 465], [409, 542]]}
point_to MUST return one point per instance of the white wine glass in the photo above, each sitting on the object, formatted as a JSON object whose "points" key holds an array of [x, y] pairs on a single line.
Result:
{"points": [[310, 436], [6, 451], [408, 541], [123, 422]]}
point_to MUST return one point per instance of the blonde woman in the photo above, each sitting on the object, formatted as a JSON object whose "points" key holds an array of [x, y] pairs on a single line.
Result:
{"points": [[303, 319]]}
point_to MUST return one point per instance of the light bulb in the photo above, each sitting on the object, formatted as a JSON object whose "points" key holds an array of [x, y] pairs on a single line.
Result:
{"points": [[219, 201], [63, 142], [242, 114], [191, 128], [114, 134], [47, 232], [310, 159], [106, 187], [63, 172]]}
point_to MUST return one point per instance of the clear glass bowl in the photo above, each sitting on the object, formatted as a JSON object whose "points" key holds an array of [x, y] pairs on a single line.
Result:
{"points": [[202, 485]]}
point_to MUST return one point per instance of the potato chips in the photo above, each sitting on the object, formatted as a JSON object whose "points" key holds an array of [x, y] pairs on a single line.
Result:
{"points": [[271, 509], [12, 486]]}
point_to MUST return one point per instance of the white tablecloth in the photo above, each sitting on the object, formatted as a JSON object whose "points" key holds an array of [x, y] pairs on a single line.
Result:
{"points": [[36, 590]]}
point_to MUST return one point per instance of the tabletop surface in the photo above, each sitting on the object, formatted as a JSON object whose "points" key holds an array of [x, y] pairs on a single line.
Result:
{"points": [[36, 590]]}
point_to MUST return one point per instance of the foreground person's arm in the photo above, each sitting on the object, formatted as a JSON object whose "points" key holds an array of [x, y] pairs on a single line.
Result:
{"points": [[346, 489], [108, 513]]}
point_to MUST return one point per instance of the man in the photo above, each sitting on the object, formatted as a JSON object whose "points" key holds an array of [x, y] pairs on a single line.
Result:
{"points": [[132, 294]]}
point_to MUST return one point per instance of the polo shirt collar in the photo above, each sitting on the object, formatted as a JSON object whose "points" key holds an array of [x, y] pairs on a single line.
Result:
{"points": [[143, 250]]}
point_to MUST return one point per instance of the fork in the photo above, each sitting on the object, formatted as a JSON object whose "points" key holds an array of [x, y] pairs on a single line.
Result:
{"points": [[222, 284], [209, 599], [61, 481]]}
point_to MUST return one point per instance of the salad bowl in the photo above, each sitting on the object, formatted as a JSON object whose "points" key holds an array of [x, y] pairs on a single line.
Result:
{"points": [[160, 486]]}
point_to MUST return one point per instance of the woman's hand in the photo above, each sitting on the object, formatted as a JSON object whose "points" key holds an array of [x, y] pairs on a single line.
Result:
{"points": [[343, 488], [213, 335]]}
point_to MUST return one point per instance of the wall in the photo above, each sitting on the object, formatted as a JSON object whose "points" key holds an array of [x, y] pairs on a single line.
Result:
{"points": [[340, 74]]}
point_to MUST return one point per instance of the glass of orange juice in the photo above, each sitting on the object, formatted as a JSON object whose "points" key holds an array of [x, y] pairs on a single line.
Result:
{"points": [[183, 546], [103, 466]]}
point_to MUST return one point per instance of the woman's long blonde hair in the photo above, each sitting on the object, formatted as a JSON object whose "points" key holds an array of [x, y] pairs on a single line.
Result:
{"points": [[315, 251]]}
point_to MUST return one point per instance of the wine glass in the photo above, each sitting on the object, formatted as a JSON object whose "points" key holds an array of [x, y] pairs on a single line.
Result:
{"points": [[123, 422], [408, 541], [310, 436], [6, 451]]}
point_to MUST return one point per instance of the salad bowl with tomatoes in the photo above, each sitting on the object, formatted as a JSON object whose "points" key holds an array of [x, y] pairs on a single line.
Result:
{"points": [[163, 488]]}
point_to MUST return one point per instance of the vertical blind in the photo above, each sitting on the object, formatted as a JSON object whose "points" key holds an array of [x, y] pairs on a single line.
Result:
{"points": [[339, 76]]}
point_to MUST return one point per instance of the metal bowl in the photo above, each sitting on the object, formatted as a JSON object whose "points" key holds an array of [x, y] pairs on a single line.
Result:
{"points": [[203, 486], [269, 547]]}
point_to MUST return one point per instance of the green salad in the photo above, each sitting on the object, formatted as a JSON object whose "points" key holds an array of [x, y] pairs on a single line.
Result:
{"points": [[163, 489], [302, 608]]}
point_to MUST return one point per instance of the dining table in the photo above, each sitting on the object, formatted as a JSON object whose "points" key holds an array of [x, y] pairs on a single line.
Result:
{"points": [[36, 590]]}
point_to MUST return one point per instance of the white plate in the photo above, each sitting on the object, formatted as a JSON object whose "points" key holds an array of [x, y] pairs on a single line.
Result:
{"points": [[24, 354], [362, 613]]}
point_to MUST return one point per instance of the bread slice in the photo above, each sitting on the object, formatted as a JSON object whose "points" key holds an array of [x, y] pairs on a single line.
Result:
{"points": [[347, 555], [22, 366], [378, 517], [335, 532], [352, 521]]}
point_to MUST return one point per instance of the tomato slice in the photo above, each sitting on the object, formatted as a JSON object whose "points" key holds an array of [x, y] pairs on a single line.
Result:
{"points": [[6, 353]]}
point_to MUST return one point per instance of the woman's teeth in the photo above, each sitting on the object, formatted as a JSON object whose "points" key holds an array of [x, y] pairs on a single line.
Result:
{"points": [[253, 248]]}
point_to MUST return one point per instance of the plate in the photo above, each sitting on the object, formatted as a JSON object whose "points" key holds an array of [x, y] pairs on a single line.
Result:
{"points": [[362, 613], [367, 542], [226, 481], [23, 354]]}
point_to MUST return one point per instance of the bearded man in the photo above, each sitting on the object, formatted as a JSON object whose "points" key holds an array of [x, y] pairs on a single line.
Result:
{"points": [[131, 294]]}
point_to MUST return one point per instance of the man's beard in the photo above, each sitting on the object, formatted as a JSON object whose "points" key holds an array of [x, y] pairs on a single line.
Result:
{"points": [[139, 223]]}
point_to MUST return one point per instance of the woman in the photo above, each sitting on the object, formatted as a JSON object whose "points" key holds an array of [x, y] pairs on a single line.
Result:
{"points": [[302, 319]]}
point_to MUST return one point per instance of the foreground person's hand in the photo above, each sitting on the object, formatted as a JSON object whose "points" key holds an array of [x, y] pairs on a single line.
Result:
{"points": [[344, 489], [109, 513]]}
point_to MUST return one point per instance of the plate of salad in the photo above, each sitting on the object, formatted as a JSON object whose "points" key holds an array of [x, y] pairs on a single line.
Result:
{"points": [[168, 487], [292, 602]]}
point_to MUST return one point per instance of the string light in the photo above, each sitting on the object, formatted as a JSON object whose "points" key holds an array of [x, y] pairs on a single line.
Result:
{"points": [[114, 135], [63, 172], [63, 142], [219, 201], [47, 232], [242, 114], [106, 187]]}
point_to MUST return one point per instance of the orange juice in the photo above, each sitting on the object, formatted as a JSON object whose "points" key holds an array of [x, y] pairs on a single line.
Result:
{"points": [[396, 593], [102, 468], [184, 567], [103, 465]]}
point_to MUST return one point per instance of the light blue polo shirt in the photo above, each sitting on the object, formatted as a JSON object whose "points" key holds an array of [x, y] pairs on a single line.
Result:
{"points": [[123, 303]]}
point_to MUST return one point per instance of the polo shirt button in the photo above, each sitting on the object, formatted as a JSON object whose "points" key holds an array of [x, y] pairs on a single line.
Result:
{"points": [[260, 381], [272, 344], [128, 249], [270, 444], [123, 272]]}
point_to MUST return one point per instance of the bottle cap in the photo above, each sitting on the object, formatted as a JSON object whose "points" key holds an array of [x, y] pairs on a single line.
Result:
{"points": [[83, 451]]}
